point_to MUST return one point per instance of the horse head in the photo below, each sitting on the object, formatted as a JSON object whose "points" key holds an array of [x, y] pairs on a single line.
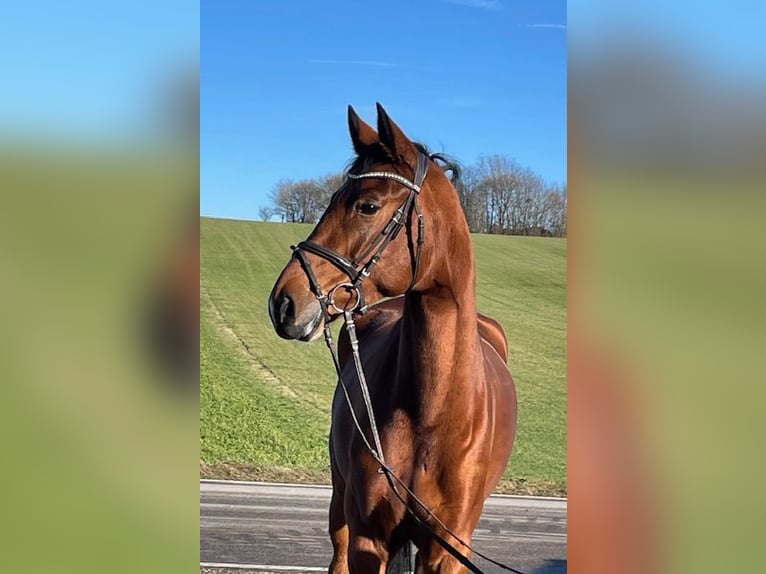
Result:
{"points": [[370, 241]]}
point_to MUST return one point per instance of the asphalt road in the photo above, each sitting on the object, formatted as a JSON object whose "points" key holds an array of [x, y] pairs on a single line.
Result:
{"points": [[262, 527]]}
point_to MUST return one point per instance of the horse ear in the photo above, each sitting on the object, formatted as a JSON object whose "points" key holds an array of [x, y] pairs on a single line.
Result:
{"points": [[362, 134], [394, 139]]}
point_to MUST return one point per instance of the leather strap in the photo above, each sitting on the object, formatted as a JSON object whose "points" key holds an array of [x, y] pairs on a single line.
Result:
{"points": [[401, 216]]}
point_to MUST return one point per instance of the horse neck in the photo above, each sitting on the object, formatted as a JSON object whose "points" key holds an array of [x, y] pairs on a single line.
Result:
{"points": [[440, 334]]}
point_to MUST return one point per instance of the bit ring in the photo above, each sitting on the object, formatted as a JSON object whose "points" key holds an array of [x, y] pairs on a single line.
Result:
{"points": [[349, 287]]}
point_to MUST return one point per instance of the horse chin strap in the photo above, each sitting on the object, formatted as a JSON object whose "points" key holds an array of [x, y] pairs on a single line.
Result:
{"points": [[359, 268]]}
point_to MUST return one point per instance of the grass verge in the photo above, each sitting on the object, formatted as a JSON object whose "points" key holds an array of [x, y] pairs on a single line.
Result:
{"points": [[265, 402]]}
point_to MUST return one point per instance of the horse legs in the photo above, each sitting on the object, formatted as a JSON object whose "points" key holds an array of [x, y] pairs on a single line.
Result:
{"points": [[367, 548], [338, 527], [433, 559], [366, 555]]}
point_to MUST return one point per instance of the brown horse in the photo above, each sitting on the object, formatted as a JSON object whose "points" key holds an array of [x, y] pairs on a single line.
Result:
{"points": [[443, 398]]}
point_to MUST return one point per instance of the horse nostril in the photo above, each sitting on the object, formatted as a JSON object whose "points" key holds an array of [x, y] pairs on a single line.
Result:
{"points": [[286, 309]]}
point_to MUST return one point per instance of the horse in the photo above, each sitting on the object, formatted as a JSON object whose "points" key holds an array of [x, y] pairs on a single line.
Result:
{"points": [[439, 386]]}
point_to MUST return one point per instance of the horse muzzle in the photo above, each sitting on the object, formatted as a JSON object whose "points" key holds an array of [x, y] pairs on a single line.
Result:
{"points": [[292, 322]]}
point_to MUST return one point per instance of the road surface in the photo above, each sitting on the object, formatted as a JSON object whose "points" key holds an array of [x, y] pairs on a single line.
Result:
{"points": [[263, 527]]}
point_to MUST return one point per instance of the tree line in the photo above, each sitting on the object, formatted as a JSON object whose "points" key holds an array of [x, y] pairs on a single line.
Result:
{"points": [[498, 195]]}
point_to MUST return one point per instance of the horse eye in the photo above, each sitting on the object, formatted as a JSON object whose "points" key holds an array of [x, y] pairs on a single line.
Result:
{"points": [[367, 208]]}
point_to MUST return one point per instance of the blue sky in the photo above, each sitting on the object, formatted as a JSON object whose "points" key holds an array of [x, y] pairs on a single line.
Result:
{"points": [[89, 68], [723, 36], [467, 77]]}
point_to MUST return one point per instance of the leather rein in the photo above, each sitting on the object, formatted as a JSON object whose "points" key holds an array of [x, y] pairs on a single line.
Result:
{"points": [[357, 304]]}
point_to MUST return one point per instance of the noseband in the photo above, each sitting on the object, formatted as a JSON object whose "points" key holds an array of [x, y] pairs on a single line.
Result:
{"points": [[360, 267]]}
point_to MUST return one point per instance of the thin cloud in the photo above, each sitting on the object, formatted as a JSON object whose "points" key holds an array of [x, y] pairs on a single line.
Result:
{"points": [[355, 63], [556, 26], [481, 4]]}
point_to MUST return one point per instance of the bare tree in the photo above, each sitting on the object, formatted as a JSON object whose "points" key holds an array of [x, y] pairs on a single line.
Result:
{"points": [[472, 198], [529, 204], [310, 200], [329, 184], [283, 198], [501, 196], [265, 212], [300, 201], [501, 178], [497, 194], [557, 215]]}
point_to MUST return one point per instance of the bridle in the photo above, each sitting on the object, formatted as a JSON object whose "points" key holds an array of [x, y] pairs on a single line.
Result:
{"points": [[357, 273], [355, 269]]}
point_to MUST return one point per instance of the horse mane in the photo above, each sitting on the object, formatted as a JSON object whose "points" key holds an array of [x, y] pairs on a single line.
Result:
{"points": [[378, 153]]}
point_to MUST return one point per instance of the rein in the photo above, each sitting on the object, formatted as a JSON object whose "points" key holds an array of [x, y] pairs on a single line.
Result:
{"points": [[327, 302]]}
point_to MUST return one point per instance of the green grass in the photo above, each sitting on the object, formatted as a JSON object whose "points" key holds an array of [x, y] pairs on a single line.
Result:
{"points": [[265, 402], [235, 395]]}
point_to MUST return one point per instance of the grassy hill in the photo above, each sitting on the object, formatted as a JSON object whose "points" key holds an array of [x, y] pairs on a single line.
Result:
{"points": [[265, 402]]}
